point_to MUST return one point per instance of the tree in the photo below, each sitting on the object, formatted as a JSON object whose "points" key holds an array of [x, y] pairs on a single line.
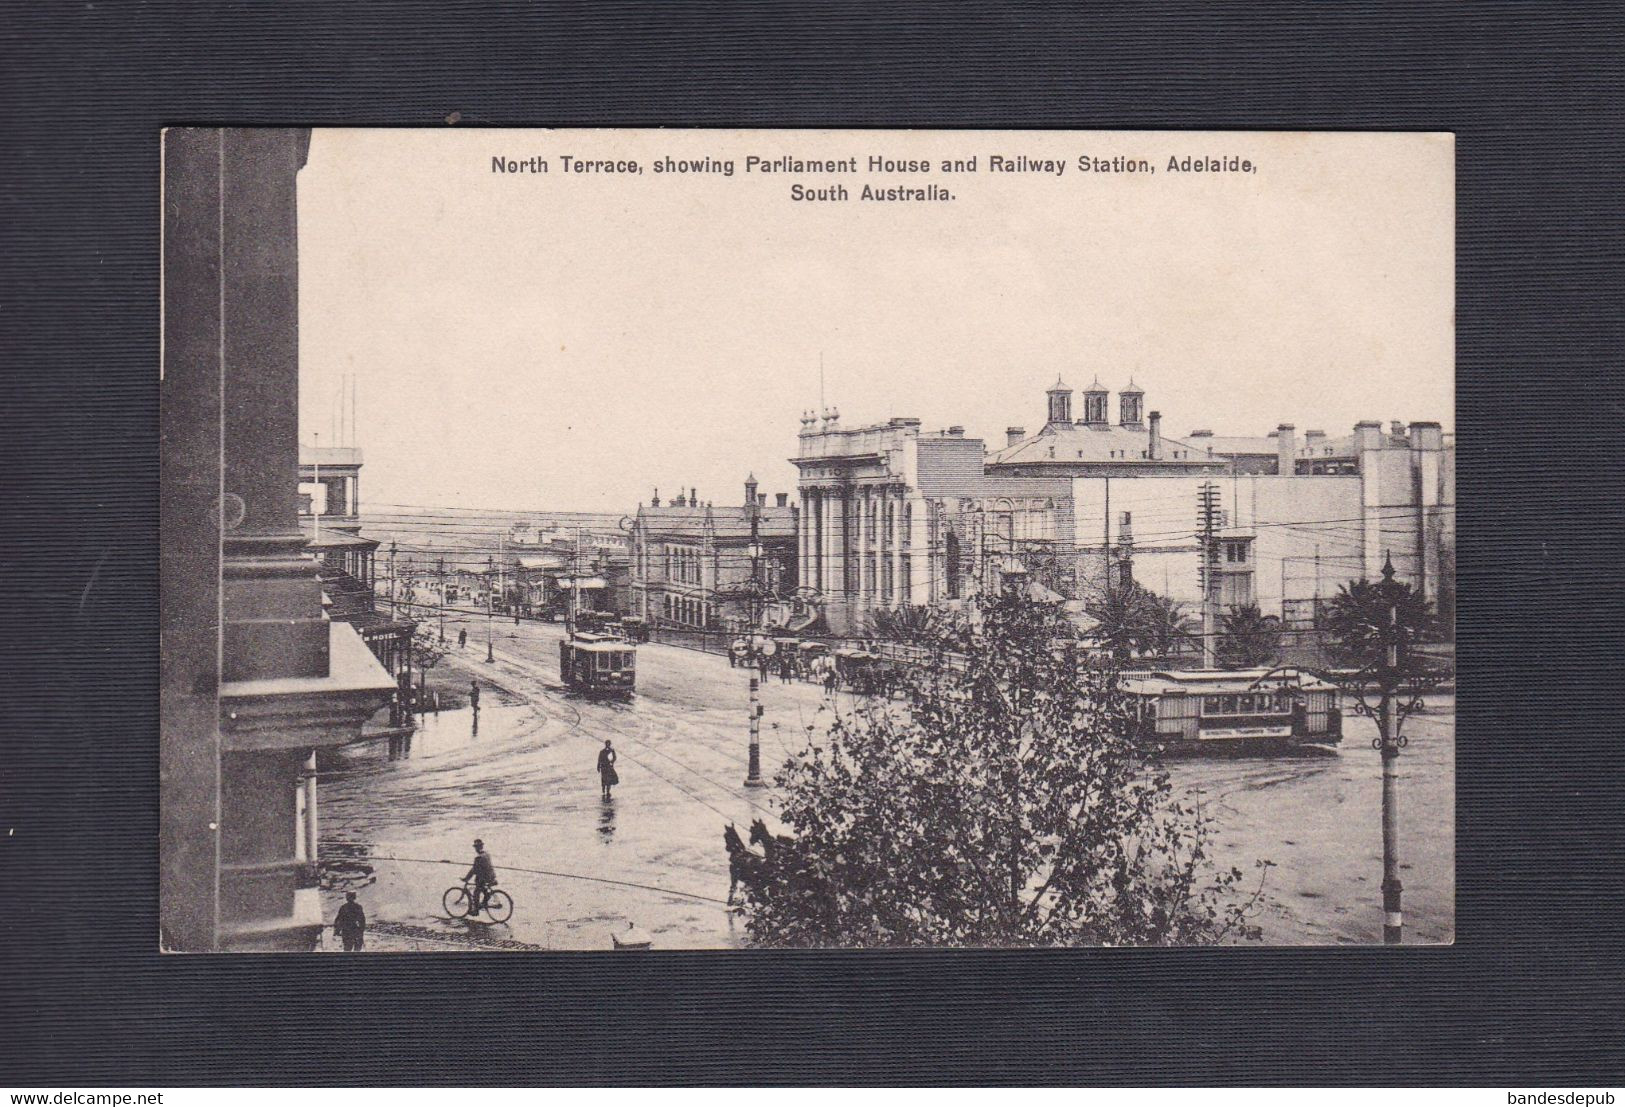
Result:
{"points": [[1357, 624], [1248, 639], [1168, 628], [1119, 614], [1133, 619], [1007, 802], [427, 652], [908, 623]]}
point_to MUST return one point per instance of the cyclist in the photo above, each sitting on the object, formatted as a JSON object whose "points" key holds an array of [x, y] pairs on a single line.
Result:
{"points": [[484, 875]]}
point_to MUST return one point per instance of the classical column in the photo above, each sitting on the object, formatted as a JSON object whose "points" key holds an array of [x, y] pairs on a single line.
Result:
{"points": [[897, 548], [803, 538], [866, 584]]}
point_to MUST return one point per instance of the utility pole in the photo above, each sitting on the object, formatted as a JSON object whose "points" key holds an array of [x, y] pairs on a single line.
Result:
{"points": [[441, 567], [753, 776], [1207, 511], [490, 572], [392, 611]]}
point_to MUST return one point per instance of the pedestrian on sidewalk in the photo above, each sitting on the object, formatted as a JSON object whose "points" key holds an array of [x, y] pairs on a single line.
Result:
{"points": [[350, 924], [607, 777], [787, 667], [762, 662], [462, 638], [474, 695]]}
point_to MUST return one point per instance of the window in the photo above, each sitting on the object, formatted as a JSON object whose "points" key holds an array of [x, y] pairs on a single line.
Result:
{"points": [[1235, 552]]}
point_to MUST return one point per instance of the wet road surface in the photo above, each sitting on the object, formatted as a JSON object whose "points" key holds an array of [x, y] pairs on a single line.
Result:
{"points": [[522, 776]]}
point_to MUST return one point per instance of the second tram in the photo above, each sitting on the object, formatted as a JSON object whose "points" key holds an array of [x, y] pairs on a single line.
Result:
{"points": [[1212, 709], [599, 664]]}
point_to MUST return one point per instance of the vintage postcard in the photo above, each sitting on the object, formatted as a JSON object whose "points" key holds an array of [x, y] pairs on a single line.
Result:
{"points": [[662, 539]]}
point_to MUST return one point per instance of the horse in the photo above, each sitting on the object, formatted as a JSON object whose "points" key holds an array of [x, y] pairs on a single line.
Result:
{"points": [[771, 844], [744, 865]]}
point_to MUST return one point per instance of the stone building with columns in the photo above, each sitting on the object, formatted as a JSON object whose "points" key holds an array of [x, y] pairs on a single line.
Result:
{"points": [[892, 515]]}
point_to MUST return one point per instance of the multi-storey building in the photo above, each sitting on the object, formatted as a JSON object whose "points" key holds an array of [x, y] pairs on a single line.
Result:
{"points": [[1295, 517], [692, 565], [892, 515], [254, 677]]}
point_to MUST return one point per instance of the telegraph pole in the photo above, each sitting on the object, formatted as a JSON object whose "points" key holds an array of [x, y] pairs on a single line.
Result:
{"points": [[441, 567], [1207, 508]]}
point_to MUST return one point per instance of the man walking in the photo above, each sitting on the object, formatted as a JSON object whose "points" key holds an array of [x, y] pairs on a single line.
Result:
{"points": [[607, 777], [350, 924], [474, 695], [462, 638]]}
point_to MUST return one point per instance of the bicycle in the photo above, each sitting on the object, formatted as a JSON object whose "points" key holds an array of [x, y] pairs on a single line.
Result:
{"points": [[459, 898]]}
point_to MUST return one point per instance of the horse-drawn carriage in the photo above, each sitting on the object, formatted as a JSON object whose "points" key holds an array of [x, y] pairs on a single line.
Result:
{"points": [[598, 622], [861, 671], [812, 660]]}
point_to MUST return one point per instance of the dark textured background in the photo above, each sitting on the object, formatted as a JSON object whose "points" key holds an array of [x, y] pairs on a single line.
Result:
{"points": [[1529, 995]]}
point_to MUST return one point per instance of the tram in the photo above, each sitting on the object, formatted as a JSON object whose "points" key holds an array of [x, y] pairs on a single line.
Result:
{"points": [[598, 664], [1207, 709]]}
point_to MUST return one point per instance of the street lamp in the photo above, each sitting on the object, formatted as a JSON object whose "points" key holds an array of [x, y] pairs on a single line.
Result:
{"points": [[1400, 684], [490, 570], [753, 777]]}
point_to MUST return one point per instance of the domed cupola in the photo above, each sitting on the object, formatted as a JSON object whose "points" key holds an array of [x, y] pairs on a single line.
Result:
{"points": [[1131, 407], [1095, 399], [1060, 405]]}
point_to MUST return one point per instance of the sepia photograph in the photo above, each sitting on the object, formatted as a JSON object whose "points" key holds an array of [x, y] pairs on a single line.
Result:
{"points": [[642, 540]]}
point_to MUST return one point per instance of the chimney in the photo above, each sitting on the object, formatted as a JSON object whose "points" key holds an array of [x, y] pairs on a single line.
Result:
{"points": [[1367, 435], [1396, 428], [1286, 449], [781, 499], [655, 502], [1012, 435], [694, 497], [1153, 448], [761, 499], [956, 432], [750, 489], [1427, 436]]}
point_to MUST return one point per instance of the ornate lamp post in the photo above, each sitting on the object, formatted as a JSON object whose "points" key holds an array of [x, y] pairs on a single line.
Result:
{"points": [[753, 777], [1389, 689]]}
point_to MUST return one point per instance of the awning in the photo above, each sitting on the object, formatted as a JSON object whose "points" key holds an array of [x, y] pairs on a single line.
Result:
{"points": [[586, 584]]}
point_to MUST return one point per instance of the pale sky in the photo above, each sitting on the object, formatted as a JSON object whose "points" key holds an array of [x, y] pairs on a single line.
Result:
{"points": [[570, 342]]}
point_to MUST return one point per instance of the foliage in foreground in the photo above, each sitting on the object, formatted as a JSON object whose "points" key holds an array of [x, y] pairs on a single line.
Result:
{"points": [[1005, 803]]}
